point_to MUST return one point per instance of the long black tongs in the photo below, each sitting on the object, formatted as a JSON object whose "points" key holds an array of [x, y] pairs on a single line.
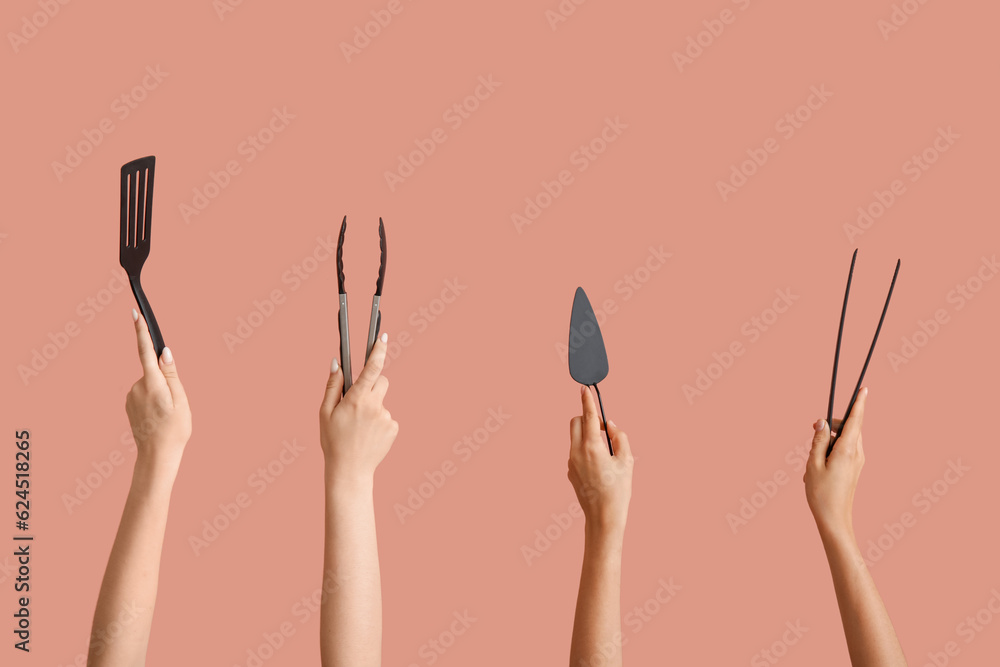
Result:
{"points": [[836, 357]]}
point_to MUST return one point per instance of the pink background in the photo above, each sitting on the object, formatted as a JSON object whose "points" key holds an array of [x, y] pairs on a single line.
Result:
{"points": [[495, 345]]}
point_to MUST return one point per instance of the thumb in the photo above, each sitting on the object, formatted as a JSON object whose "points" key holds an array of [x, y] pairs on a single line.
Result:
{"points": [[334, 389], [821, 440], [169, 370]]}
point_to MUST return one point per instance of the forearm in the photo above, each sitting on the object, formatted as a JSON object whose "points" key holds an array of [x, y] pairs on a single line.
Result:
{"points": [[351, 612], [871, 639], [124, 614], [597, 625]]}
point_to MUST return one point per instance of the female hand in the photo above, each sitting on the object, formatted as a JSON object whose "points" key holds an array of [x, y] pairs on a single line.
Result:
{"points": [[157, 406], [831, 481], [603, 483], [356, 431]]}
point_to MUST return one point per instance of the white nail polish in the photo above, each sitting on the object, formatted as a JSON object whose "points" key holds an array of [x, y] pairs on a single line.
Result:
{"points": [[167, 356], [384, 337], [135, 315], [334, 366]]}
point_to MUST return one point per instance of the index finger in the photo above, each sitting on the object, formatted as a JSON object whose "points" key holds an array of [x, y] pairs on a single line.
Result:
{"points": [[591, 422], [373, 367], [147, 354]]}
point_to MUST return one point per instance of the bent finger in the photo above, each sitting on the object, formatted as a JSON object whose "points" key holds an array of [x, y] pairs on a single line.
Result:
{"points": [[334, 388], [373, 367]]}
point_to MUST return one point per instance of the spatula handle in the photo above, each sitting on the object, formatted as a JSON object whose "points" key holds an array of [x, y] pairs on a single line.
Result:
{"points": [[147, 314], [607, 433]]}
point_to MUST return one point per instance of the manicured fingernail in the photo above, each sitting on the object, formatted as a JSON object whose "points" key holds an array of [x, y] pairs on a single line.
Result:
{"points": [[613, 425], [864, 391], [167, 356], [334, 366], [135, 315], [820, 425], [384, 337], [583, 389]]}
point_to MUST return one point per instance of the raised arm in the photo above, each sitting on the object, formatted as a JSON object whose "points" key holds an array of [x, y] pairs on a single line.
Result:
{"points": [[830, 484], [161, 425], [356, 432], [603, 485]]}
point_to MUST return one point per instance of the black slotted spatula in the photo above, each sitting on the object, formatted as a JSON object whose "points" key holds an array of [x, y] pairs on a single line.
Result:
{"points": [[588, 360], [136, 225]]}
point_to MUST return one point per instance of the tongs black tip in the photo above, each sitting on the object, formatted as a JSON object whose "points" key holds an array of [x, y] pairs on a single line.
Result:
{"points": [[340, 256], [381, 267], [871, 350]]}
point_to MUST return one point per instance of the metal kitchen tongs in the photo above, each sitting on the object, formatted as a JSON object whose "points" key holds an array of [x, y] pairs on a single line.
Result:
{"points": [[836, 358], [375, 322]]}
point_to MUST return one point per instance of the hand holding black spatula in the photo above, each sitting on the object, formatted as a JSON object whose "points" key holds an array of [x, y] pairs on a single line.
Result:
{"points": [[136, 225], [588, 360]]}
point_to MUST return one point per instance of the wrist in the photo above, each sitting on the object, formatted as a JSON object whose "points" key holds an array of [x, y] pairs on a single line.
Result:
{"points": [[155, 472], [837, 535], [348, 482], [606, 532]]}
